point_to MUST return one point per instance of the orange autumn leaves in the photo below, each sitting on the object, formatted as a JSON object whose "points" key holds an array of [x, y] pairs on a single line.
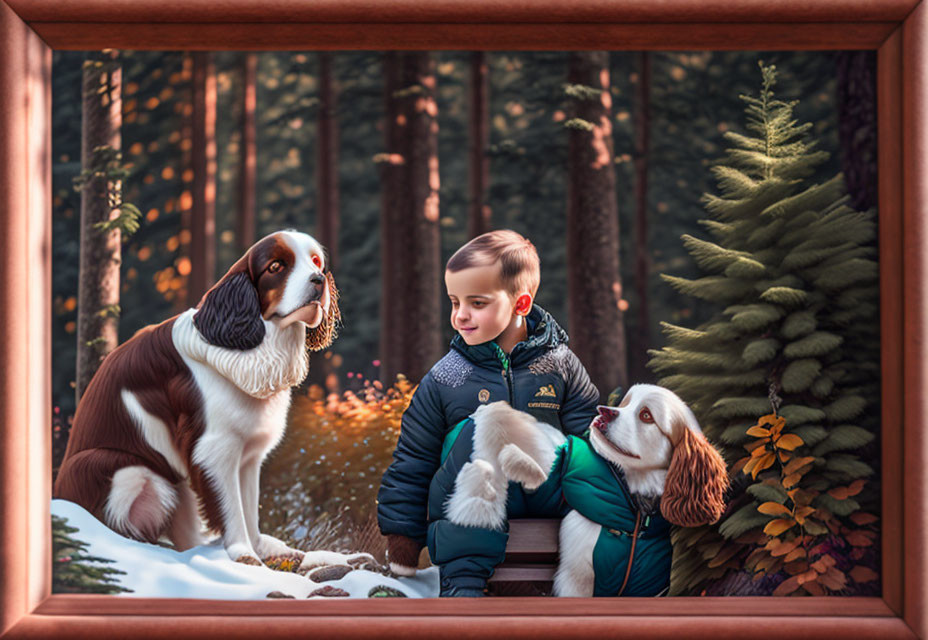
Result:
{"points": [[769, 430], [794, 539]]}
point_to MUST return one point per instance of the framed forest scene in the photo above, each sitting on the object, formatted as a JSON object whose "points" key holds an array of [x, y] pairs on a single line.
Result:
{"points": [[751, 220]]}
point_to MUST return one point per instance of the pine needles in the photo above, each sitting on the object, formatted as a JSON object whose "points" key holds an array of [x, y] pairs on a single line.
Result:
{"points": [[792, 270]]}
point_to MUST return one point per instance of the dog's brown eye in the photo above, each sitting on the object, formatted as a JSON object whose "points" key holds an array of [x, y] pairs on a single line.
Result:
{"points": [[275, 266], [645, 416], [317, 261]]}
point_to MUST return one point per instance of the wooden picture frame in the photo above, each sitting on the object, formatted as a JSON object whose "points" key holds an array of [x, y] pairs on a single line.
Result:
{"points": [[30, 29]]}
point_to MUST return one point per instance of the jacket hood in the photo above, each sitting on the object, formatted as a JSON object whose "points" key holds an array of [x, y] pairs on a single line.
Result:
{"points": [[543, 333]]}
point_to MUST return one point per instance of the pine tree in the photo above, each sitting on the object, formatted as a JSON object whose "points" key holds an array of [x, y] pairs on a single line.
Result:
{"points": [[71, 572], [791, 266], [102, 219]]}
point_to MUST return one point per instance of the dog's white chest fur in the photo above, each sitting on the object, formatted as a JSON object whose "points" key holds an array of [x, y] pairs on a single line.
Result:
{"points": [[246, 394], [257, 423]]}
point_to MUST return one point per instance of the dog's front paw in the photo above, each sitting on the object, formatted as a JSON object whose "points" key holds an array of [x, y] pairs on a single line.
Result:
{"points": [[243, 554], [249, 560], [519, 467], [476, 501], [270, 547], [475, 480]]}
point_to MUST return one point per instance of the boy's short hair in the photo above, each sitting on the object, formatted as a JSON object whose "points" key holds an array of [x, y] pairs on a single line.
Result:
{"points": [[520, 268]]}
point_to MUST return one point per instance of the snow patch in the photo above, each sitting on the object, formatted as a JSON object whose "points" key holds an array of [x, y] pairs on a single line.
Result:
{"points": [[207, 572]]}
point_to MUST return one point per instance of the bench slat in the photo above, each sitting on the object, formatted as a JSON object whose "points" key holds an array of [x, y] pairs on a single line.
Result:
{"points": [[523, 573], [533, 535]]}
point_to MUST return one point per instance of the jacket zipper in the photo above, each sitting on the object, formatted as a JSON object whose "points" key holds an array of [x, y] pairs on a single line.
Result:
{"points": [[631, 554], [508, 373], [506, 361]]}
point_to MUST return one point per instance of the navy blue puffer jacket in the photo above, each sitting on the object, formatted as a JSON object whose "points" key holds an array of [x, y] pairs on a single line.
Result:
{"points": [[541, 376]]}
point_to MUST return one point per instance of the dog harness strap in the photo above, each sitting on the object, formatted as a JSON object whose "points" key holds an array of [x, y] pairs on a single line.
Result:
{"points": [[631, 554]]}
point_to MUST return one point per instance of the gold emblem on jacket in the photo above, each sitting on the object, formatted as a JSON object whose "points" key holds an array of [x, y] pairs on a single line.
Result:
{"points": [[484, 395], [546, 392]]}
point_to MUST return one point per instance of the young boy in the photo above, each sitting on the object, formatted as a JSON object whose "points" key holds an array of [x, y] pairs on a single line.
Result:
{"points": [[507, 348]]}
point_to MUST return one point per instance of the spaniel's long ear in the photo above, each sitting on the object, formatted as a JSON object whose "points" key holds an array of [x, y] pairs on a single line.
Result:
{"points": [[229, 315], [694, 491], [322, 336]]}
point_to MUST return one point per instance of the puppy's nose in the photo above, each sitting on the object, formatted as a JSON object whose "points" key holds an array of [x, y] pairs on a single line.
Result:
{"points": [[317, 279]]}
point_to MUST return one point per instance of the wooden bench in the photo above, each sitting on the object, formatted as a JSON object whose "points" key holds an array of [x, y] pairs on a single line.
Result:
{"points": [[531, 558]]}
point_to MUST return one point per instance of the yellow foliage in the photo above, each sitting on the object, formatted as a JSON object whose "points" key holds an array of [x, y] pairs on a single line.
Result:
{"points": [[789, 442], [791, 479], [778, 526], [773, 509], [758, 432], [322, 480], [797, 463]]}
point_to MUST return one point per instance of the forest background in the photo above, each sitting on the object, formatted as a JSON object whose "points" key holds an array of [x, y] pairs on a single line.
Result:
{"points": [[668, 114]]}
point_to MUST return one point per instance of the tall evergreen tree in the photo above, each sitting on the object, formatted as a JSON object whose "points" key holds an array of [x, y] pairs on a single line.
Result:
{"points": [[479, 216], [393, 203], [793, 348], [594, 285], [105, 219], [638, 356], [327, 210], [203, 216], [409, 227], [247, 174]]}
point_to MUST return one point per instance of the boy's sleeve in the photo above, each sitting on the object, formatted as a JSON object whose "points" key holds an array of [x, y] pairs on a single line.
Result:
{"points": [[404, 489], [580, 398]]}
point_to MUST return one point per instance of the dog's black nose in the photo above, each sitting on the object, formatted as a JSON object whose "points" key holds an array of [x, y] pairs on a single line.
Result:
{"points": [[317, 279]]}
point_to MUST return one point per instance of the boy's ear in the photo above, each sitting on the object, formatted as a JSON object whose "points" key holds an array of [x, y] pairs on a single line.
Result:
{"points": [[524, 304]]}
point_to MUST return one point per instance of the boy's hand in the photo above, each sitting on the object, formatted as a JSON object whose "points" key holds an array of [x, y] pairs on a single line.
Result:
{"points": [[403, 555]]}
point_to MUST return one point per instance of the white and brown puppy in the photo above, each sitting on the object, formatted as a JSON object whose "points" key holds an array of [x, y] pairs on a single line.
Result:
{"points": [[177, 421], [652, 436]]}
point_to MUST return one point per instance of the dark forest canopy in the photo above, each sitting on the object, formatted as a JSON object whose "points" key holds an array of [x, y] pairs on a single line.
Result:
{"points": [[693, 97]]}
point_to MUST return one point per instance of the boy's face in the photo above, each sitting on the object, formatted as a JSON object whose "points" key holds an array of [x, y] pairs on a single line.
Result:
{"points": [[481, 309]]}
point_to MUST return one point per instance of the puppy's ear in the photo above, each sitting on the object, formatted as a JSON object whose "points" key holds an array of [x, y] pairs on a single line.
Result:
{"points": [[323, 335], [694, 491], [229, 315]]}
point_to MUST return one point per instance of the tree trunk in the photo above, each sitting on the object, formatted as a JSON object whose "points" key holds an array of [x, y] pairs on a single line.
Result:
{"points": [[245, 234], [100, 251], [857, 125], [410, 303], [327, 161], [594, 285], [203, 218], [642, 342], [321, 371], [392, 272], [479, 220]]}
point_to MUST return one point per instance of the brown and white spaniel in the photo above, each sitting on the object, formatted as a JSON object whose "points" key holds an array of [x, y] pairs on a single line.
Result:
{"points": [[177, 421], [652, 437]]}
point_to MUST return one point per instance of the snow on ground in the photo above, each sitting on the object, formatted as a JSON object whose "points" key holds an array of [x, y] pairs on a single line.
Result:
{"points": [[207, 571]]}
